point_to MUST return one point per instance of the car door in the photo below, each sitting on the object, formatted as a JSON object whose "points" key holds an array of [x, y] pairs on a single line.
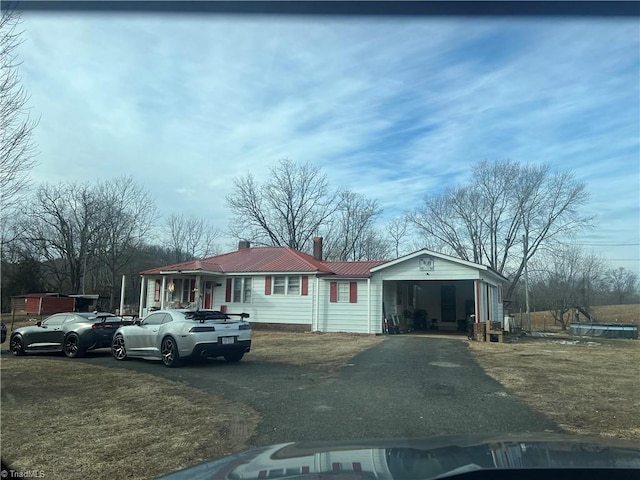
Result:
{"points": [[49, 335], [144, 342]]}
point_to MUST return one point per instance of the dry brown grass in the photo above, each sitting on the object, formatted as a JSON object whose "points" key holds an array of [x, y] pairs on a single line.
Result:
{"points": [[77, 421], [325, 351], [605, 314], [589, 388]]}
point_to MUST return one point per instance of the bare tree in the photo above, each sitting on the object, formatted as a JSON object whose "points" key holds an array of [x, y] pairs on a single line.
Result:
{"points": [[349, 232], [17, 150], [287, 209], [503, 215], [374, 246], [127, 216], [567, 278], [622, 283], [397, 229], [191, 237], [62, 227]]}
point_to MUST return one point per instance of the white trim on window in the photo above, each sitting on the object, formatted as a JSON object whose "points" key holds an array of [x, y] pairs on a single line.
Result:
{"points": [[286, 285], [343, 292], [241, 290]]}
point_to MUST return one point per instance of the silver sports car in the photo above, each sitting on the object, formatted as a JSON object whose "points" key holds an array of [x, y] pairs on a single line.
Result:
{"points": [[173, 335]]}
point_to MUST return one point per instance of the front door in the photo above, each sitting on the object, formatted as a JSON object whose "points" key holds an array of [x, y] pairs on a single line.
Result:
{"points": [[448, 303]]}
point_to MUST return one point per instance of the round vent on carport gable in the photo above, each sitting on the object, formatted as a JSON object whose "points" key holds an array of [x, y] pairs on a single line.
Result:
{"points": [[426, 263]]}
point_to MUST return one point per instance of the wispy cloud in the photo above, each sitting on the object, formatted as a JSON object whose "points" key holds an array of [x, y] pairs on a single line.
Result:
{"points": [[394, 109]]}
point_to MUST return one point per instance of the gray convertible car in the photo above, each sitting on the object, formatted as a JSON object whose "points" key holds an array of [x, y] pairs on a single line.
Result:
{"points": [[173, 335], [72, 333]]}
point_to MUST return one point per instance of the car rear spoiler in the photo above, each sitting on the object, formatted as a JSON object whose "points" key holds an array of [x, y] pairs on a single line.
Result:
{"points": [[103, 317], [241, 315]]}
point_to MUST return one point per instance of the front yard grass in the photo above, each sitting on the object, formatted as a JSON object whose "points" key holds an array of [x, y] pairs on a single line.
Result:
{"points": [[587, 387], [77, 421], [322, 351]]}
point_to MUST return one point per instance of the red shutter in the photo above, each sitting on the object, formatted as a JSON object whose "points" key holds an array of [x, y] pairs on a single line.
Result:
{"points": [[353, 292], [305, 285], [267, 285], [227, 295], [156, 295], [333, 292]]}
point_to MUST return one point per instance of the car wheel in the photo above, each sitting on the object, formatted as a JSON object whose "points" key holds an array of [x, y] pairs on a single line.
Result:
{"points": [[118, 348], [169, 350], [234, 357], [16, 346], [71, 346]]}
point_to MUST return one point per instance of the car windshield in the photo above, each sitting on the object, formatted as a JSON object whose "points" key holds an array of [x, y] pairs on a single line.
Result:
{"points": [[322, 222]]}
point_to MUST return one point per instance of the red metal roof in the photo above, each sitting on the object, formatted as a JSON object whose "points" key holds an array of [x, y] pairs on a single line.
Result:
{"points": [[256, 259], [353, 269]]}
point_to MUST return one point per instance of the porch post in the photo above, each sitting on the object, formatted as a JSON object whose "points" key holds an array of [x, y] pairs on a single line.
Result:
{"points": [[124, 279], [143, 284], [198, 292], [317, 302], [368, 305], [476, 299], [162, 290]]}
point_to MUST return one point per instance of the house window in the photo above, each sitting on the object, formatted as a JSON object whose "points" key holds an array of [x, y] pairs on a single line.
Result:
{"points": [[293, 285], [246, 290], [279, 285], [285, 285], [242, 290], [343, 292]]}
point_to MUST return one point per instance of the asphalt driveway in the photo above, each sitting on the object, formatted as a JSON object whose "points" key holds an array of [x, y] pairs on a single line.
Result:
{"points": [[404, 387]]}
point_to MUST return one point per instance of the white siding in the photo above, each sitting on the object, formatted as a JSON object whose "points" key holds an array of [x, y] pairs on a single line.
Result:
{"points": [[287, 309], [442, 270], [350, 317]]}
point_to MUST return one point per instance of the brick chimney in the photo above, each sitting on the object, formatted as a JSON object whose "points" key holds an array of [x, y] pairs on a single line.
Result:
{"points": [[244, 244], [317, 248]]}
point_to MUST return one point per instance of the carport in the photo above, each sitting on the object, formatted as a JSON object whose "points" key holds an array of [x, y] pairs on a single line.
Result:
{"points": [[431, 291], [432, 304]]}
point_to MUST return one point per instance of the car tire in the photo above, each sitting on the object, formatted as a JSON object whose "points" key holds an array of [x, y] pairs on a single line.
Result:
{"points": [[234, 357], [169, 352], [71, 346], [118, 348], [16, 345]]}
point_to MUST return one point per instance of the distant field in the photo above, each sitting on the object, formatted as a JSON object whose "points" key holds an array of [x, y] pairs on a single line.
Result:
{"points": [[603, 314]]}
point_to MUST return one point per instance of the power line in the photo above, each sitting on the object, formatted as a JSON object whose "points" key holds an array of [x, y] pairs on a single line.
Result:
{"points": [[605, 244]]}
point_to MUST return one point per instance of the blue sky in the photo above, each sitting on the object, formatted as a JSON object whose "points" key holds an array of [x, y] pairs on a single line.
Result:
{"points": [[391, 108]]}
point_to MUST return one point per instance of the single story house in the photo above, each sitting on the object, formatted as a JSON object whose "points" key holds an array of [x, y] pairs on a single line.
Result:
{"points": [[280, 285]]}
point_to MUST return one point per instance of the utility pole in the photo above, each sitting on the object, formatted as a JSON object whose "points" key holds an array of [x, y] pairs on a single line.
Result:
{"points": [[526, 281]]}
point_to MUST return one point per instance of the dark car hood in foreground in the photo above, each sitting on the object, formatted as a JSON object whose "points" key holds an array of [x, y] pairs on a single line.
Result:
{"points": [[413, 459]]}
